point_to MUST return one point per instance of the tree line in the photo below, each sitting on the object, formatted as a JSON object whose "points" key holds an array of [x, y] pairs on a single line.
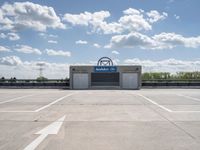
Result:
{"points": [[170, 76]]}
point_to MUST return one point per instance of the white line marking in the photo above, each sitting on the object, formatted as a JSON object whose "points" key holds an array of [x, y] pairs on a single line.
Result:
{"points": [[39, 109], [15, 111], [53, 128], [166, 109], [148, 99], [186, 111], [193, 98], [14, 99], [48, 105]]}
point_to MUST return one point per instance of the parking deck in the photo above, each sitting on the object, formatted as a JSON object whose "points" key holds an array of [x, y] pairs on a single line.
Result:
{"points": [[149, 119]]}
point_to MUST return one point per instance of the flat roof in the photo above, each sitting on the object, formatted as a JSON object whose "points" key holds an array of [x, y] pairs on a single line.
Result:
{"points": [[149, 119]]}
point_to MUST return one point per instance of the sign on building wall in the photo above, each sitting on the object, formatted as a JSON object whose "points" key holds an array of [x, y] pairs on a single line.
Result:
{"points": [[105, 69]]}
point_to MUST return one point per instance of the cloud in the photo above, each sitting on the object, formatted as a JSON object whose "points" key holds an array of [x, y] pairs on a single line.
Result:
{"points": [[53, 36], [27, 49], [13, 66], [173, 40], [53, 41], [132, 20], [86, 18], [3, 36], [10, 61], [52, 52], [131, 40], [13, 36], [115, 52], [167, 65], [10, 36], [45, 35], [132, 11], [5, 23], [155, 16], [159, 41], [176, 17], [20, 15], [81, 42], [4, 49], [96, 45]]}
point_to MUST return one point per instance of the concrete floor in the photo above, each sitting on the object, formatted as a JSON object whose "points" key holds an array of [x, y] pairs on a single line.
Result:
{"points": [[148, 119]]}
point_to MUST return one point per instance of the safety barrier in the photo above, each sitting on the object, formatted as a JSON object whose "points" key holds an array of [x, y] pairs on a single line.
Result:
{"points": [[170, 83], [65, 83], [33, 83]]}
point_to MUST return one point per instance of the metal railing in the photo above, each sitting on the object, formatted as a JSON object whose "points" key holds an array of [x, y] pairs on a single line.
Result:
{"points": [[171, 82], [34, 82], [66, 83]]}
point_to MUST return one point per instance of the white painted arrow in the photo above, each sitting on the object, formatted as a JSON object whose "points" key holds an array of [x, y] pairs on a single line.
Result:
{"points": [[50, 129]]}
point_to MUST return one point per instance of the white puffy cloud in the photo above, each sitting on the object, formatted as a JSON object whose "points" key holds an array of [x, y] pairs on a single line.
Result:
{"points": [[5, 23], [131, 40], [107, 28], [96, 45], [81, 42], [13, 66], [47, 36], [132, 20], [173, 40], [10, 61], [159, 41], [155, 16], [53, 41], [132, 11], [21, 15], [4, 49], [86, 18], [10, 36], [115, 52], [167, 65], [13, 36], [52, 52], [27, 49], [95, 20]]}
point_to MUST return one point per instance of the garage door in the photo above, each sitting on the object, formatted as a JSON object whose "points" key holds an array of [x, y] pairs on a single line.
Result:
{"points": [[105, 79], [130, 80], [80, 81]]}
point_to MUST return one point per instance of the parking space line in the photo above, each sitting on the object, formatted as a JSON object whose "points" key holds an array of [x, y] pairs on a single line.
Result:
{"points": [[39, 109], [186, 111], [189, 97], [14, 99], [58, 100], [153, 102], [16, 111], [166, 109]]}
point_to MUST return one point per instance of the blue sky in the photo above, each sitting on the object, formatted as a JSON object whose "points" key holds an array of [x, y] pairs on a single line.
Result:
{"points": [[160, 35]]}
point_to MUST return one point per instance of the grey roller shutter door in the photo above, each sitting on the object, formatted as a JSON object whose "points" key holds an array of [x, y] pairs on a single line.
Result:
{"points": [[129, 80], [80, 81]]}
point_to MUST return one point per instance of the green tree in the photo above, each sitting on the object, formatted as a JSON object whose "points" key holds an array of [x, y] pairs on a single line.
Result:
{"points": [[41, 79]]}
